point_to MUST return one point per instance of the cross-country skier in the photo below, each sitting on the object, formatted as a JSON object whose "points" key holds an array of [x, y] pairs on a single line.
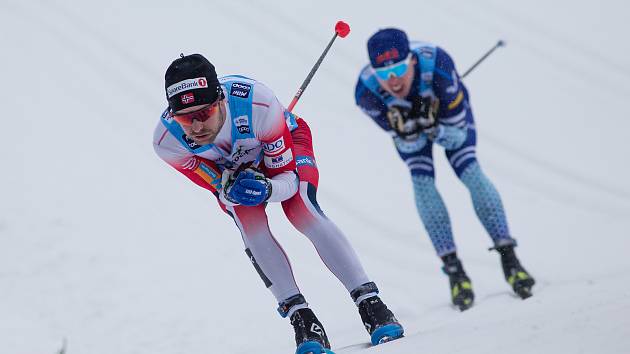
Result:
{"points": [[216, 132], [413, 91]]}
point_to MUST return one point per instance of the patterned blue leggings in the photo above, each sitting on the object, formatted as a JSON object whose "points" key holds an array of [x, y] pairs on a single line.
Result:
{"points": [[486, 201]]}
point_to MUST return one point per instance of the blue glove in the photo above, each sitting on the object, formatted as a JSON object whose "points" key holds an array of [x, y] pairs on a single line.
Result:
{"points": [[249, 188]]}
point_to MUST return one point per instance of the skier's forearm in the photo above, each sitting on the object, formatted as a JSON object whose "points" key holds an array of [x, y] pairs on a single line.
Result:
{"points": [[283, 186], [202, 172]]}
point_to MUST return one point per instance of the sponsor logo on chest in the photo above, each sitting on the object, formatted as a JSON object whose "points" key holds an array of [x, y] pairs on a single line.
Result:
{"points": [[426, 52], [241, 152], [191, 143], [240, 90], [242, 124]]}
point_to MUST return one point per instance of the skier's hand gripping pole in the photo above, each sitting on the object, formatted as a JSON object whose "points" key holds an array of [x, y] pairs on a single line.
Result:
{"points": [[341, 30]]}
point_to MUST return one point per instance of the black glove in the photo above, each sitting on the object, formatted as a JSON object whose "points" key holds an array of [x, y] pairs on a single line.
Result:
{"points": [[410, 119], [425, 109], [401, 120]]}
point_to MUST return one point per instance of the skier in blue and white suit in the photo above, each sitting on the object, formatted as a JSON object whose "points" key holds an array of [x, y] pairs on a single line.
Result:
{"points": [[413, 91]]}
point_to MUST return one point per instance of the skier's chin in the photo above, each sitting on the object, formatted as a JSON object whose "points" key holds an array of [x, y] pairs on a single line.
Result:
{"points": [[204, 139], [398, 89]]}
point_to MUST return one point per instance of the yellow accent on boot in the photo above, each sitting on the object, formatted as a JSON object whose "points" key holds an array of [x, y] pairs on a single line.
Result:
{"points": [[455, 290], [465, 285], [520, 275], [511, 280]]}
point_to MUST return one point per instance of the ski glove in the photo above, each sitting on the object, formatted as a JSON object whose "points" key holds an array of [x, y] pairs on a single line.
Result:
{"points": [[249, 188], [409, 119], [427, 109], [400, 119]]}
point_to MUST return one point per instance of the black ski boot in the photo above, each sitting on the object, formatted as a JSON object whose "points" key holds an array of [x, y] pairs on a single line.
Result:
{"points": [[515, 274], [462, 294], [378, 320], [310, 336]]}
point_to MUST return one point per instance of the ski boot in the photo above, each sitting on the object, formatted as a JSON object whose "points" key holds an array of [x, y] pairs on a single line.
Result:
{"points": [[310, 336], [515, 274], [462, 294], [378, 320]]}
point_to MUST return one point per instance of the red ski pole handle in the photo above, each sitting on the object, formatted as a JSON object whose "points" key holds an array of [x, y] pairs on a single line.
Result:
{"points": [[342, 29]]}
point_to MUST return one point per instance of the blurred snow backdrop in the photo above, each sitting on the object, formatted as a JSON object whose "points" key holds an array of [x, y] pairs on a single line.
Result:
{"points": [[103, 244]]}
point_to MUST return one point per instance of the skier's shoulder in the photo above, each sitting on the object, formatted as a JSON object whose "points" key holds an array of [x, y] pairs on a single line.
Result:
{"points": [[243, 87], [430, 52], [253, 102], [367, 85], [365, 73], [423, 48], [443, 59], [247, 92], [165, 142], [161, 128]]}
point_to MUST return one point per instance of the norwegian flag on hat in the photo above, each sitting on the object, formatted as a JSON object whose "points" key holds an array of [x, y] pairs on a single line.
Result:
{"points": [[188, 98]]}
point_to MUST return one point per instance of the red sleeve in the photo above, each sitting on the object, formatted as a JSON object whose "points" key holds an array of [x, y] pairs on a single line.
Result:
{"points": [[278, 151], [203, 172]]}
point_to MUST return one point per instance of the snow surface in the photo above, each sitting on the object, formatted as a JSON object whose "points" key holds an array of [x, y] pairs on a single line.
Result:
{"points": [[104, 245]]}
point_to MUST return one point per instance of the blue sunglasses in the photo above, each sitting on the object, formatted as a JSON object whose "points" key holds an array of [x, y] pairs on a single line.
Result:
{"points": [[396, 70]]}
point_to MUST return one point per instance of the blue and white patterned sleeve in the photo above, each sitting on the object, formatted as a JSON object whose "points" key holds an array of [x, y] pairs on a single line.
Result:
{"points": [[453, 108]]}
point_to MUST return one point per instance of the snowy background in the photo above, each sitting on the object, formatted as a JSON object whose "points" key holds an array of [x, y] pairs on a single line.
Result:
{"points": [[103, 244]]}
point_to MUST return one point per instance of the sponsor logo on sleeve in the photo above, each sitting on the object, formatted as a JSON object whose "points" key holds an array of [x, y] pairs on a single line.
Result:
{"points": [[279, 161], [209, 175], [167, 117], [426, 52], [240, 89], [186, 85], [304, 161], [241, 123], [274, 147]]}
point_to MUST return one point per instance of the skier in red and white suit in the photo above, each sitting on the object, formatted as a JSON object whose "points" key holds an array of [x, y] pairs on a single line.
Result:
{"points": [[232, 137]]}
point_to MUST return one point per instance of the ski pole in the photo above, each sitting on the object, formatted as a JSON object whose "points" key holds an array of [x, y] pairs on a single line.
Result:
{"points": [[500, 43], [341, 30]]}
